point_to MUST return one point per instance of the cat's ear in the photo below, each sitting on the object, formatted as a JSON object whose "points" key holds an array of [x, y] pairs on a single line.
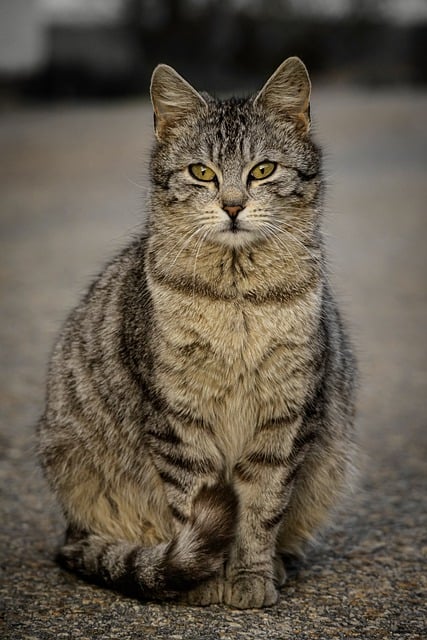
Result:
{"points": [[287, 92], [172, 97]]}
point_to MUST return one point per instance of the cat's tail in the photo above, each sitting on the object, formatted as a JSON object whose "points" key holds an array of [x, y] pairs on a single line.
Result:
{"points": [[193, 556]]}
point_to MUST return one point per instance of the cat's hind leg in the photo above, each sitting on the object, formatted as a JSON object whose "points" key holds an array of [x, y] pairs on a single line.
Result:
{"points": [[318, 488]]}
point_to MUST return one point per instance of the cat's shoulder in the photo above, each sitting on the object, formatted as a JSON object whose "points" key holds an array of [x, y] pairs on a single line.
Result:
{"points": [[123, 272]]}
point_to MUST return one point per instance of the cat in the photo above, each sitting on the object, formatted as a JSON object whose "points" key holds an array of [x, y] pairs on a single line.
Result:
{"points": [[200, 399]]}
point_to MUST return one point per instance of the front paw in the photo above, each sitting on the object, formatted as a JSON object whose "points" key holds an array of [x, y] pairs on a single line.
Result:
{"points": [[210, 592], [246, 590]]}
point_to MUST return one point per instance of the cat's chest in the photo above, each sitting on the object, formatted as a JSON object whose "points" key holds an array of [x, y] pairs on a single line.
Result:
{"points": [[234, 364]]}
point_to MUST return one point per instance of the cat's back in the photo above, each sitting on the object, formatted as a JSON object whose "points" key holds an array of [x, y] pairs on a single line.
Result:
{"points": [[91, 375], [115, 292]]}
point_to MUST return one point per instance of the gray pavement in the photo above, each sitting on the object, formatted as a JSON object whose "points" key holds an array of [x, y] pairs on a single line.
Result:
{"points": [[72, 193]]}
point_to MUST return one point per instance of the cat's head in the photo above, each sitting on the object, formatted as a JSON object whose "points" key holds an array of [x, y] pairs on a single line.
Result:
{"points": [[234, 172]]}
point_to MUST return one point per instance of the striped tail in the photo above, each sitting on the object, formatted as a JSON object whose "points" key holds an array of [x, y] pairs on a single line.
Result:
{"points": [[192, 557]]}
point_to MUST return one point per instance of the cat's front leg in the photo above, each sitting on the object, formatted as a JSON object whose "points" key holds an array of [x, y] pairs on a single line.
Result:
{"points": [[202, 509], [255, 587], [263, 480], [250, 571], [210, 592]]}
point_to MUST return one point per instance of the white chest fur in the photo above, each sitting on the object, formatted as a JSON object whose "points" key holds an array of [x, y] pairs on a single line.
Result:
{"points": [[232, 363]]}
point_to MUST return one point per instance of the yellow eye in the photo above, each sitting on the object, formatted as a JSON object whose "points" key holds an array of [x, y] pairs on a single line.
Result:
{"points": [[262, 170], [202, 172]]}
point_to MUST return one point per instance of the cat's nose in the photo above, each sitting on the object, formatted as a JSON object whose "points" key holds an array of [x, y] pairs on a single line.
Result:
{"points": [[232, 210]]}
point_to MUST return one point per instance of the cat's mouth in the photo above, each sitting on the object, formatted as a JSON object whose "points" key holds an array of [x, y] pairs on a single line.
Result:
{"points": [[234, 226], [235, 234]]}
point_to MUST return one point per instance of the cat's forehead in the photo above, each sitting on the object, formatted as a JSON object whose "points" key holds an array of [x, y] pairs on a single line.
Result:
{"points": [[230, 114], [232, 128], [232, 118]]}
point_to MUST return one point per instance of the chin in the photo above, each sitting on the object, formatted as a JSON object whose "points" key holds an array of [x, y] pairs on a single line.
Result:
{"points": [[235, 239]]}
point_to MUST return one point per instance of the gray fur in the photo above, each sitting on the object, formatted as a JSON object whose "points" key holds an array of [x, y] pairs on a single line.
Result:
{"points": [[199, 412]]}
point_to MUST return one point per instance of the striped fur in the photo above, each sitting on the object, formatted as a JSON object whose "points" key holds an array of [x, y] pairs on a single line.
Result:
{"points": [[195, 554], [200, 405]]}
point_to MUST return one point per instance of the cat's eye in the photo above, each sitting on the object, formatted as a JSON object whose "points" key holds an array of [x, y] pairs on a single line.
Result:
{"points": [[202, 172], [262, 170]]}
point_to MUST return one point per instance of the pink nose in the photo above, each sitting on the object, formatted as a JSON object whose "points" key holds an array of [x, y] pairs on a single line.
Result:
{"points": [[233, 210]]}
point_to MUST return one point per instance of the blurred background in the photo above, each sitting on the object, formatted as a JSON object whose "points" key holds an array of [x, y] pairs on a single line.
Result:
{"points": [[79, 48]]}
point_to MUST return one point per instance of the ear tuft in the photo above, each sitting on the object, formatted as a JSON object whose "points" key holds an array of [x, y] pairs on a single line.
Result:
{"points": [[172, 97], [287, 92]]}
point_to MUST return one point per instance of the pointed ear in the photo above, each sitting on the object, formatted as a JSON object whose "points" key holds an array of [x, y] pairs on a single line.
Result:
{"points": [[172, 97], [287, 92]]}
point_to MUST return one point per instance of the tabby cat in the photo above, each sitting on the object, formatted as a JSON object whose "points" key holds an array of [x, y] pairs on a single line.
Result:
{"points": [[199, 411]]}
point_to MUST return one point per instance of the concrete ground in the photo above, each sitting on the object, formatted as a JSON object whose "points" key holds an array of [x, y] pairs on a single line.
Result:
{"points": [[72, 193]]}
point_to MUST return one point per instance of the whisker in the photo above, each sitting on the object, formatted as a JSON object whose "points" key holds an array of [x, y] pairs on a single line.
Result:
{"points": [[281, 245], [282, 230], [145, 188], [312, 255], [185, 244], [199, 246], [185, 240]]}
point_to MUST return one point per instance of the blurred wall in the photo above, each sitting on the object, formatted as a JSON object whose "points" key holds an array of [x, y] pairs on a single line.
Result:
{"points": [[94, 48], [23, 37]]}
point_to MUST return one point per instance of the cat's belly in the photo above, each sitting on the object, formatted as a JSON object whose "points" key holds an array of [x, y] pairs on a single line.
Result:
{"points": [[235, 365]]}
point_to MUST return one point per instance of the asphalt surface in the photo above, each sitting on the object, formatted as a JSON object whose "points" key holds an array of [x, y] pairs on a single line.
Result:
{"points": [[72, 193]]}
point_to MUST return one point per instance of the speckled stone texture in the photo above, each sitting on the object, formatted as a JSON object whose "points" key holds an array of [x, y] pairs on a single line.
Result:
{"points": [[72, 192]]}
